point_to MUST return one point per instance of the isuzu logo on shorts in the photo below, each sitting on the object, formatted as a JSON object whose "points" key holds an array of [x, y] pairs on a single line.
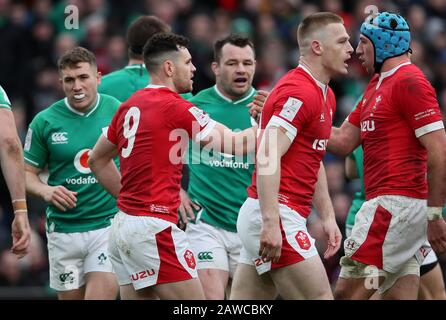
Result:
{"points": [[59, 138], [81, 161], [142, 274], [259, 262]]}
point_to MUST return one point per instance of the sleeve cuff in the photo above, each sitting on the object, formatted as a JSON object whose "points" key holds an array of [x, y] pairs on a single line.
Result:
{"points": [[291, 131], [205, 131], [105, 132], [33, 163], [434, 126]]}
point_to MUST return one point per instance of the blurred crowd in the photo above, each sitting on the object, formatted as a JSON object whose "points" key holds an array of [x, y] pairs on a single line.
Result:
{"points": [[33, 34]]}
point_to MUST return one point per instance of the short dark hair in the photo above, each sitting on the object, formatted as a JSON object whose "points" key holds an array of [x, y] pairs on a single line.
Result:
{"points": [[74, 56], [234, 39], [140, 31], [160, 46]]}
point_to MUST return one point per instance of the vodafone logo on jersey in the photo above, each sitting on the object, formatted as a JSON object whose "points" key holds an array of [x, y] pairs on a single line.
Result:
{"points": [[81, 161], [303, 240]]}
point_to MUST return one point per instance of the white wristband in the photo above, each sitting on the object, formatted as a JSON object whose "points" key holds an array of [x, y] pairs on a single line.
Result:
{"points": [[434, 213]]}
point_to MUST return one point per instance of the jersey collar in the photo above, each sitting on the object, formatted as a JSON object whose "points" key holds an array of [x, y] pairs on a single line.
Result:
{"points": [[247, 96], [82, 113], [387, 74], [135, 66], [324, 87], [155, 86]]}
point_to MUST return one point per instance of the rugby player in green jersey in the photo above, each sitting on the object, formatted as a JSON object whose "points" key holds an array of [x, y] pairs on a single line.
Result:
{"points": [[122, 83], [11, 159], [218, 181], [79, 209]]}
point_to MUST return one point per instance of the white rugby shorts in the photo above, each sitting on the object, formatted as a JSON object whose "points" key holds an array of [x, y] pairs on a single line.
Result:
{"points": [[147, 251], [214, 248], [388, 231], [297, 244], [72, 255]]}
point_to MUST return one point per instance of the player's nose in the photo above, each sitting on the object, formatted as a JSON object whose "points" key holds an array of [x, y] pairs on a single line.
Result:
{"points": [[241, 68], [350, 48], [77, 85]]}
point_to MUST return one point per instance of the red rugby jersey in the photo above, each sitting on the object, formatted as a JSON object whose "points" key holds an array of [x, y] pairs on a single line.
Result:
{"points": [[149, 130], [304, 107], [397, 108]]}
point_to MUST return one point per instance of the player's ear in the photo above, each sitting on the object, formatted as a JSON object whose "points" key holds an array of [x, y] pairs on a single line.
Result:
{"points": [[168, 68], [316, 47], [215, 68], [99, 77]]}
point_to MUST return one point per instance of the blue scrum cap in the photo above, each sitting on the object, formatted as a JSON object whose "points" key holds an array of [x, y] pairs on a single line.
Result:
{"points": [[389, 33]]}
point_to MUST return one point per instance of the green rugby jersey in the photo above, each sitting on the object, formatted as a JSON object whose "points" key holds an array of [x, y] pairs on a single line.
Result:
{"points": [[359, 197], [122, 83], [4, 100], [60, 137], [218, 182]]}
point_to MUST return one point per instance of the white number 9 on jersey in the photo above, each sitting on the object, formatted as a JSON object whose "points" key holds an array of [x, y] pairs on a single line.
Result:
{"points": [[130, 132]]}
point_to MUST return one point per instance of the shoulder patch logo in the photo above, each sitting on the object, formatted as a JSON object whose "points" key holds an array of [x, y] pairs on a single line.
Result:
{"points": [[29, 136], [59, 138], [290, 108], [202, 117]]}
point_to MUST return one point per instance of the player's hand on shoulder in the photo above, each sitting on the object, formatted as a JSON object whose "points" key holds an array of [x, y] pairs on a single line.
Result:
{"points": [[60, 197], [260, 98], [256, 106], [436, 234]]}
